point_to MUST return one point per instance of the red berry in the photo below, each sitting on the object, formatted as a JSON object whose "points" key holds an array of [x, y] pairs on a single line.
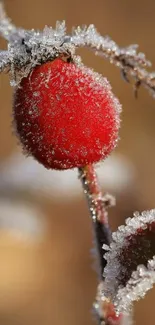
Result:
{"points": [[66, 116]]}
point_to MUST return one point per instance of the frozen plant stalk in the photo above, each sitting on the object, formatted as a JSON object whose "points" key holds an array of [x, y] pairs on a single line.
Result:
{"points": [[33, 58], [38, 46]]}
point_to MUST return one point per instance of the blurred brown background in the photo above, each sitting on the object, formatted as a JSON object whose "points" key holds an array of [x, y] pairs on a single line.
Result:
{"points": [[49, 278]]}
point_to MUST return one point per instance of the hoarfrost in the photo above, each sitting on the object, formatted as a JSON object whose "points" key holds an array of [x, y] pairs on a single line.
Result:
{"points": [[130, 269], [29, 48]]}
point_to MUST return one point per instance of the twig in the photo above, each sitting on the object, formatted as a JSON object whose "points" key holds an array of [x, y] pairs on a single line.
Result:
{"points": [[131, 63], [98, 213], [27, 49], [7, 29], [98, 205]]}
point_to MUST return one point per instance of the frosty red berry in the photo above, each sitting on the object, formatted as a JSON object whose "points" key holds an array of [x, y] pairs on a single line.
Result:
{"points": [[66, 116]]}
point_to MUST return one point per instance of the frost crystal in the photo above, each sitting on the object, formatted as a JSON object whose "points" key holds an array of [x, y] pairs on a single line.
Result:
{"points": [[29, 48], [130, 269]]}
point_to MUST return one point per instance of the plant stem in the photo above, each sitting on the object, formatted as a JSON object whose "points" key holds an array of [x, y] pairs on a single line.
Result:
{"points": [[97, 207], [98, 212]]}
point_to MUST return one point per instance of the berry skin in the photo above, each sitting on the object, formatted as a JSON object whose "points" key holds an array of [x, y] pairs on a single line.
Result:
{"points": [[65, 115]]}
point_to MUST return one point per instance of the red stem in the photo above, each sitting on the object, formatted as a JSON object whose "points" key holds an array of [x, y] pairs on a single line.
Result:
{"points": [[98, 212]]}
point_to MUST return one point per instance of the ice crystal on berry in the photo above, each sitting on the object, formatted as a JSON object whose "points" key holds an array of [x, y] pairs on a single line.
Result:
{"points": [[130, 269], [66, 116]]}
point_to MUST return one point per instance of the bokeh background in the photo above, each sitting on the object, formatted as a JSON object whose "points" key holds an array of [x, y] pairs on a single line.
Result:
{"points": [[46, 269]]}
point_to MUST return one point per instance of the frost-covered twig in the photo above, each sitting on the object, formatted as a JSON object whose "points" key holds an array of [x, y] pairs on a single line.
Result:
{"points": [[7, 29], [27, 49], [130, 62], [4, 61], [98, 205]]}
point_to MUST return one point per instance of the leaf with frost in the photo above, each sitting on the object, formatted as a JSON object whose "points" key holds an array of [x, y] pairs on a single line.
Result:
{"points": [[130, 269]]}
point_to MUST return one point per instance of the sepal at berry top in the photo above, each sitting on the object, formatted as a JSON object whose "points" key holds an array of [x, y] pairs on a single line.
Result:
{"points": [[130, 269]]}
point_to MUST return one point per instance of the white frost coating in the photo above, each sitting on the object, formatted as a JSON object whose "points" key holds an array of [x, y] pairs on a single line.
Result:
{"points": [[4, 60], [7, 29], [105, 46], [101, 307], [29, 48], [142, 279]]}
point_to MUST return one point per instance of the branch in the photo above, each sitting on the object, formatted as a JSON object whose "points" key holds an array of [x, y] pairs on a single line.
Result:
{"points": [[6, 27], [98, 205], [38, 47], [7, 30], [131, 63]]}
